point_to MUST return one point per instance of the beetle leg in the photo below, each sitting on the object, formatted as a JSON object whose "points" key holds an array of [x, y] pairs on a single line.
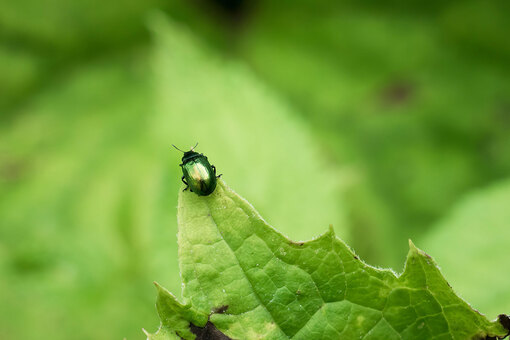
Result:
{"points": [[214, 168], [184, 181]]}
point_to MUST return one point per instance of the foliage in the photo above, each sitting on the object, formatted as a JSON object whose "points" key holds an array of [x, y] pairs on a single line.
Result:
{"points": [[405, 106], [244, 128], [375, 117], [88, 182], [251, 282]]}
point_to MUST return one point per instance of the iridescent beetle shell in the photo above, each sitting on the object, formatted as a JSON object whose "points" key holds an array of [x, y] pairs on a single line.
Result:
{"points": [[198, 174]]}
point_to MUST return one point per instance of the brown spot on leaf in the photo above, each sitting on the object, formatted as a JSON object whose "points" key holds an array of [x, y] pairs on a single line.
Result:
{"points": [[397, 93], [504, 320], [220, 309], [208, 332], [296, 243], [426, 255]]}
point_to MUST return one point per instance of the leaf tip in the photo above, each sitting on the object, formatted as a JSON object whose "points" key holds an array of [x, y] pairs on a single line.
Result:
{"points": [[412, 246], [331, 230], [416, 251], [160, 289], [413, 250]]}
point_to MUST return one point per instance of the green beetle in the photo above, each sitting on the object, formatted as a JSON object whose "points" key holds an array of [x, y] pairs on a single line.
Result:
{"points": [[198, 175]]}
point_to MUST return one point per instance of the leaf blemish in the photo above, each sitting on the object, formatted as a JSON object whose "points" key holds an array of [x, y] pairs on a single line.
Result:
{"points": [[220, 309], [296, 243], [504, 320], [209, 332]]}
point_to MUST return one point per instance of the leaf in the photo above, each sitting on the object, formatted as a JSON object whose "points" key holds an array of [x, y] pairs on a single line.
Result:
{"points": [[20, 70], [91, 26], [75, 225], [390, 93], [478, 226], [86, 187], [245, 127], [176, 315], [268, 287]]}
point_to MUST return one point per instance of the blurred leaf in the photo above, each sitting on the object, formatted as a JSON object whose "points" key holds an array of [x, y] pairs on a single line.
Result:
{"points": [[255, 139], [471, 243], [403, 100], [257, 284], [40, 41], [418, 119], [20, 72], [88, 182], [480, 27], [78, 188], [72, 27]]}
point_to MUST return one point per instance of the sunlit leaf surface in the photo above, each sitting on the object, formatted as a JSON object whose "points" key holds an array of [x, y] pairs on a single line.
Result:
{"points": [[257, 284]]}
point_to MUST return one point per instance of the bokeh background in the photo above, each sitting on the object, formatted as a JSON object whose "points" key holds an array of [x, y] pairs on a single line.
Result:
{"points": [[389, 120]]}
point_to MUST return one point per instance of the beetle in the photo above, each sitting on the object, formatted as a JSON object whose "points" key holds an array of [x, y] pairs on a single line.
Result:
{"points": [[197, 173]]}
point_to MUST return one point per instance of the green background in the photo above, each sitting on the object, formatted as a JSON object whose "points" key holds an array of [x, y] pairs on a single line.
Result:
{"points": [[389, 120]]}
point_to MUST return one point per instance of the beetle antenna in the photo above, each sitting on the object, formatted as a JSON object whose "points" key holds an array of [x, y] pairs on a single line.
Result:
{"points": [[193, 148], [177, 148]]}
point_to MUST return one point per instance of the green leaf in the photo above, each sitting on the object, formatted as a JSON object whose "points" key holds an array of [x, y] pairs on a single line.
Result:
{"points": [[269, 287], [480, 227], [244, 127], [378, 82], [90, 25], [86, 185], [76, 227], [20, 70], [175, 316]]}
